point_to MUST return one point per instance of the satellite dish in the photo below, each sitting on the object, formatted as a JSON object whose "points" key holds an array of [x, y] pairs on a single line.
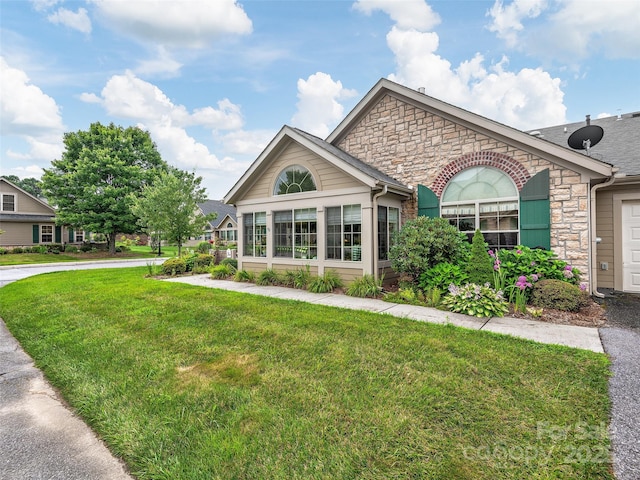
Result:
{"points": [[586, 137]]}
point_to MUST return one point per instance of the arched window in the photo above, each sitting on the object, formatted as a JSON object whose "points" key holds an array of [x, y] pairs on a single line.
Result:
{"points": [[294, 179], [485, 198]]}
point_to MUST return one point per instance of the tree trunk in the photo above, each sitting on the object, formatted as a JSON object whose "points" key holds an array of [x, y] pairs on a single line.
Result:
{"points": [[111, 241]]}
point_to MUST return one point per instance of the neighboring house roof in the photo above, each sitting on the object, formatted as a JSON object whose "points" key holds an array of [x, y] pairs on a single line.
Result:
{"points": [[334, 155], [223, 210], [565, 157], [24, 217], [619, 146]]}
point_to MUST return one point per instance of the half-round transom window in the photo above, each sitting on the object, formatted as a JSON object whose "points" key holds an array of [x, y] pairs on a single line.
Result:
{"points": [[483, 198], [294, 179], [479, 183]]}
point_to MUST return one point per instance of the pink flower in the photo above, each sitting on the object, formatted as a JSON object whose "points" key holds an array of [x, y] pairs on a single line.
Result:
{"points": [[490, 252], [534, 277], [568, 267], [519, 252], [583, 287]]}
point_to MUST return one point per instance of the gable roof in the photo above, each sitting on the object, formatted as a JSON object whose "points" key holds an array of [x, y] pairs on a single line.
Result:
{"points": [[619, 146], [588, 166], [24, 192], [223, 210], [332, 154]]}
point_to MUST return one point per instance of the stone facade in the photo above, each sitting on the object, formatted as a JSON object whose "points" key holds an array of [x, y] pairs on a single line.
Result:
{"points": [[417, 147]]}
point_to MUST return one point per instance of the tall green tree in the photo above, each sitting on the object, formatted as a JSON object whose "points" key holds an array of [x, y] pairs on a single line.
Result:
{"points": [[100, 171], [29, 185], [170, 206]]}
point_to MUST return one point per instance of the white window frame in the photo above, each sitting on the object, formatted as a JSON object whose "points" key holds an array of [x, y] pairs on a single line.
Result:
{"points": [[42, 233]]}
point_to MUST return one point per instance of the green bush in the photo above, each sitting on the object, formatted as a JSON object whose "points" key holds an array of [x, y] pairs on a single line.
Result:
{"points": [[424, 242], [55, 248], [442, 275], [17, 250], [222, 271], [268, 277], [203, 247], [86, 248], [302, 277], [229, 261], [525, 261], [480, 264], [407, 295], [174, 266], [366, 286], [190, 260], [475, 300], [243, 276], [38, 249], [325, 283], [202, 263], [559, 295], [3, 251], [71, 249]]}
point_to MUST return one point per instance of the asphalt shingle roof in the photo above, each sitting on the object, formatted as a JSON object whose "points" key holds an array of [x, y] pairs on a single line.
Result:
{"points": [[221, 208], [620, 145]]}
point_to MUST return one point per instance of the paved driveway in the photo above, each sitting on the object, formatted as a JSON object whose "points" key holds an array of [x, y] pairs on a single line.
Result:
{"points": [[621, 340]]}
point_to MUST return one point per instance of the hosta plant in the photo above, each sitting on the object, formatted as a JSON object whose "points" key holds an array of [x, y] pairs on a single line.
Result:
{"points": [[476, 300]]}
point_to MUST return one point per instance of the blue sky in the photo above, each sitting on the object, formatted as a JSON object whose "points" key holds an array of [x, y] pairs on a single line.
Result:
{"points": [[213, 81]]}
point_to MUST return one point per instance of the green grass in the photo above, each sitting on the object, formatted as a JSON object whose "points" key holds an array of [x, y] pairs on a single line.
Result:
{"points": [[189, 382], [30, 258]]}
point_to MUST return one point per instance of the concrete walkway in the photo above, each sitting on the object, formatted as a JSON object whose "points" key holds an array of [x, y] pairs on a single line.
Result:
{"points": [[578, 337], [41, 438]]}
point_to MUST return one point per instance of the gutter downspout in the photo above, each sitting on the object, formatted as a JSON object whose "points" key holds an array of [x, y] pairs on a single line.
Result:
{"points": [[594, 239], [384, 191]]}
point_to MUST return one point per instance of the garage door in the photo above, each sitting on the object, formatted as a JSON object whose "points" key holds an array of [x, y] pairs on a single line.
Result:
{"points": [[631, 246]]}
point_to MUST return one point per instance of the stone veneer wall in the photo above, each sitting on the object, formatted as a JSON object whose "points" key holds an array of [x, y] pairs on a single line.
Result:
{"points": [[417, 147]]}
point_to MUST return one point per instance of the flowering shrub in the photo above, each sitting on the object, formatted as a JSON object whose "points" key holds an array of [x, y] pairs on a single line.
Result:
{"points": [[520, 292], [512, 264], [476, 300]]}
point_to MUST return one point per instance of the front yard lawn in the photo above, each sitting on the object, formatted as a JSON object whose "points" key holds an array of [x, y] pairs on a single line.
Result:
{"points": [[31, 258], [190, 382]]}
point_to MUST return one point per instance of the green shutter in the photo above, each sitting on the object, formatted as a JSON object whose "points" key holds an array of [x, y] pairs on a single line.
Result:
{"points": [[36, 233], [428, 203], [71, 237], [535, 212], [58, 234]]}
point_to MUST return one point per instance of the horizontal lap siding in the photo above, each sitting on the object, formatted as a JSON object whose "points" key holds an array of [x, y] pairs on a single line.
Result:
{"points": [[330, 177], [604, 230], [16, 234]]}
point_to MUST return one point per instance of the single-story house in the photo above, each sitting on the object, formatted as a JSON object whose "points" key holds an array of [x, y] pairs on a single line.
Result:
{"points": [[222, 230], [335, 203]]}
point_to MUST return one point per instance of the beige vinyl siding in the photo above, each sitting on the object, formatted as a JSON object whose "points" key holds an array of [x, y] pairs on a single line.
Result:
{"points": [[25, 203], [253, 266], [16, 234], [348, 275], [604, 230], [327, 176]]}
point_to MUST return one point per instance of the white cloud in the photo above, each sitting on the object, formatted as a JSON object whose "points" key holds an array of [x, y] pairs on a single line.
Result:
{"points": [[163, 64], [29, 114], [41, 5], [78, 21], [569, 30], [318, 109], [243, 142], [186, 23], [406, 14], [127, 96], [524, 99], [507, 20]]}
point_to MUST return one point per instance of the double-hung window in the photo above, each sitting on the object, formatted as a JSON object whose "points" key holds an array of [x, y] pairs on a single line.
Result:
{"points": [[344, 233], [46, 233], [255, 234], [8, 202]]}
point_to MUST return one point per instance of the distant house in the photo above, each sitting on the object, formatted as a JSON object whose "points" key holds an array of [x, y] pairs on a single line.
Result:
{"points": [[335, 203], [25, 219], [223, 230]]}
